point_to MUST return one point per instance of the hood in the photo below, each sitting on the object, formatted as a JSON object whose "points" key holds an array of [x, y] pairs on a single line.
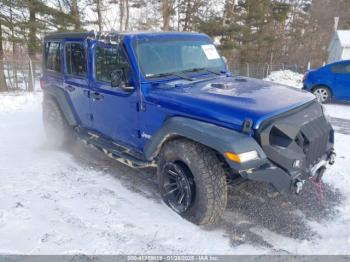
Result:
{"points": [[228, 101]]}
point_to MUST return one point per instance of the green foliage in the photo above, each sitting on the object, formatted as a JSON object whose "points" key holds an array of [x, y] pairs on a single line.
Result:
{"points": [[24, 21], [249, 27], [253, 31]]}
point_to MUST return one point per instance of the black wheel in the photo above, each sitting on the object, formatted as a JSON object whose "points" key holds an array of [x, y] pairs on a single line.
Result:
{"points": [[323, 94], [57, 130], [192, 181]]}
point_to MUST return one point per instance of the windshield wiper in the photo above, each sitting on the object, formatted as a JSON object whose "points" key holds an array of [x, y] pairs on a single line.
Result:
{"points": [[182, 75], [202, 69], [171, 74]]}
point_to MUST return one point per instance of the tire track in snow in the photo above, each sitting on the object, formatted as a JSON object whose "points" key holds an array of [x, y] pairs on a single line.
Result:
{"points": [[250, 205]]}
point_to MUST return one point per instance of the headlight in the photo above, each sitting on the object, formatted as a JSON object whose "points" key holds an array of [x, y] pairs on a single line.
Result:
{"points": [[243, 157]]}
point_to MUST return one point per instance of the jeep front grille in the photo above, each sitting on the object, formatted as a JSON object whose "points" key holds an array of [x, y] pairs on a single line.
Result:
{"points": [[302, 134], [313, 139]]}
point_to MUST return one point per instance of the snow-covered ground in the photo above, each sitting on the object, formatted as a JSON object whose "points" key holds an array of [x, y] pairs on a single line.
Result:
{"points": [[54, 202], [79, 201], [286, 77]]}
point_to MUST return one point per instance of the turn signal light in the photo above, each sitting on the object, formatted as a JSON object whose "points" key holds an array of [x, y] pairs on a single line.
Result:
{"points": [[243, 157]]}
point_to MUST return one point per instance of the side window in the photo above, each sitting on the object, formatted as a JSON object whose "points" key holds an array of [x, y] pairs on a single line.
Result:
{"points": [[75, 59], [53, 56], [341, 69], [108, 59], [347, 69]]}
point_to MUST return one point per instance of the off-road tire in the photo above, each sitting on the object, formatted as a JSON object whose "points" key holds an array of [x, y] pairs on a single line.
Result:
{"points": [[58, 132], [208, 175]]}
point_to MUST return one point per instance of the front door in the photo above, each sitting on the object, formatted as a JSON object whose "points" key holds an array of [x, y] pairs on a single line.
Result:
{"points": [[114, 110], [76, 83]]}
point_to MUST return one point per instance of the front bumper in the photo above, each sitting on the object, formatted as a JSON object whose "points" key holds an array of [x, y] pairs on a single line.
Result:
{"points": [[298, 145], [285, 182]]}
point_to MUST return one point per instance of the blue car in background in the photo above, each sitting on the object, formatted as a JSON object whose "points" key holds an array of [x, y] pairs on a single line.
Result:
{"points": [[330, 82]]}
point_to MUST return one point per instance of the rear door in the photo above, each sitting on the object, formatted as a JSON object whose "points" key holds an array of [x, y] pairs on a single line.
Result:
{"points": [[76, 82], [341, 82], [114, 110], [53, 64]]}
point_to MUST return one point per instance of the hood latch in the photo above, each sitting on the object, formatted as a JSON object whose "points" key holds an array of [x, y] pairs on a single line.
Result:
{"points": [[247, 126]]}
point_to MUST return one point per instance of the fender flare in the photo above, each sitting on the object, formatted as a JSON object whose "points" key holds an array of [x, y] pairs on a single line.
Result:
{"points": [[59, 96], [215, 137]]}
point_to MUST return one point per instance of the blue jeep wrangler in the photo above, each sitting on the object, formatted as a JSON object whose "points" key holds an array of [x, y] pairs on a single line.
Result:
{"points": [[168, 100]]}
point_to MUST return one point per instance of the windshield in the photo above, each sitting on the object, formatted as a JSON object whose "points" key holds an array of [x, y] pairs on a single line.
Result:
{"points": [[162, 57]]}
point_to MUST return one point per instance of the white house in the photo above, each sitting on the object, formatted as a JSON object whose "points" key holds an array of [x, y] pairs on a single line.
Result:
{"points": [[339, 48]]}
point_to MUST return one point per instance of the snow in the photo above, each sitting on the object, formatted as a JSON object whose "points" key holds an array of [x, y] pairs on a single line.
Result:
{"points": [[18, 101], [77, 201], [286, 77], [344, 37], [290, 78], [338, 110], [52, 204]]}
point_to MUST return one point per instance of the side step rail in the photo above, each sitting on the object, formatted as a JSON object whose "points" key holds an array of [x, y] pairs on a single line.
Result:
{"points": [[112, 150]]}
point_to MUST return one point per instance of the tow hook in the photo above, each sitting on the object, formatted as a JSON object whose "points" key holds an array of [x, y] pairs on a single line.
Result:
{"points": [[331, 158], [299, 186]]}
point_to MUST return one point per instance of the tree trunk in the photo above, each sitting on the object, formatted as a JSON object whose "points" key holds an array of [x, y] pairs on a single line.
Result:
{"points": [[126, 27], [178, 15], [99, 15], [32, 41], [75, 14], [3, 85], [14, 57], [187, 16], [227, 8], [121, 14], [167, 7]]}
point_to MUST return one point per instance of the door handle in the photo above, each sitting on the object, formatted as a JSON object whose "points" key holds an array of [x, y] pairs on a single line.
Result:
{"points": [[70, 88], [97, 96]]}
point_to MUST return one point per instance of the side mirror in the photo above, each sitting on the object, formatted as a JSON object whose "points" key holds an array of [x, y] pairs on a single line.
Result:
{"points": [[118, 79]]}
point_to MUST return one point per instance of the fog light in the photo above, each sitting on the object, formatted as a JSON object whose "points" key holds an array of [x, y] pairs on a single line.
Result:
{"points": [[243, 157], [297, 163]]}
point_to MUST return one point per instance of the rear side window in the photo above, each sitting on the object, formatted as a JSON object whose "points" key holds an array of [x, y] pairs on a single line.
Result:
{"points": [[341, 69], [53, 56], [75, 59], [108, 59]]}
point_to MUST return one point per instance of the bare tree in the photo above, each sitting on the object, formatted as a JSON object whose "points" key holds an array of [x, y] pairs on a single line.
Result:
{"points": [[126, 27], [320, 28], [99, 14], [3, 85], [13, 40], [167, 10], [75, 14], [121, 14]]}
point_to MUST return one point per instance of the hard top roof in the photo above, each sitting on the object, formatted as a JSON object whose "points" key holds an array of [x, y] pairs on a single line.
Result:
{"points": [[92, 34]]}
